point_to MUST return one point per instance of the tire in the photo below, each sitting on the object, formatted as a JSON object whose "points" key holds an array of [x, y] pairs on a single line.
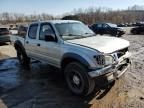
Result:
{"points": [[78, 80], [119, 34], [134, 32], [22, 57], [101, 33], [115, 33]]}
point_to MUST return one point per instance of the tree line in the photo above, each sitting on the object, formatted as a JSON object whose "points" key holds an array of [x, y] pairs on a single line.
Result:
{"points": [[92, 15], [88, 16], [12, 18]]}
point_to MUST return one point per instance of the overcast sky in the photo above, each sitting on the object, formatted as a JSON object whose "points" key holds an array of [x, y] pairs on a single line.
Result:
{"points": [[58, 7]]}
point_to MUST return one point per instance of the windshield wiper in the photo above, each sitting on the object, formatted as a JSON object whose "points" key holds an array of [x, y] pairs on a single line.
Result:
{"points": [[70, 34], [90, 34], [76, 36]]}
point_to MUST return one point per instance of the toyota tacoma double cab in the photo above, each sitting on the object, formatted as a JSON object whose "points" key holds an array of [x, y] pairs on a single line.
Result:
{"points": [[85, 58]]}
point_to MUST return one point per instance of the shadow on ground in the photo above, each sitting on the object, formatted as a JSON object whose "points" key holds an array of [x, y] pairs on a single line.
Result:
{"points": [[2, 43], [42, 86]]}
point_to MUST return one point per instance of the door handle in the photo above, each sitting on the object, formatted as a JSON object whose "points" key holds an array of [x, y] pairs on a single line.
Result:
{"points": [[38, 44]]}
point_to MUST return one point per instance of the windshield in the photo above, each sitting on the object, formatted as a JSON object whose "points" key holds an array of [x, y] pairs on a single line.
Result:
{"points": [[73, 30], [112, 25]]}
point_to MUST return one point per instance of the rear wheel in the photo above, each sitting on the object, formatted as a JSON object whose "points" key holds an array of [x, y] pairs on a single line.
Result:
{"points": [[22, 57], [101, 33], [78, 80], [135, 32]]}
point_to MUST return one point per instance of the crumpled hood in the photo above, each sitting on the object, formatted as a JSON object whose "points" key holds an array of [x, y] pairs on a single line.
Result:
{"points": [[103, 44]]}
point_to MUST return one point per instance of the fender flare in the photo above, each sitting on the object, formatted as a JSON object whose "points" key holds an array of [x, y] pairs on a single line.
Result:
{"points": [[75, 57], [19, 44]]}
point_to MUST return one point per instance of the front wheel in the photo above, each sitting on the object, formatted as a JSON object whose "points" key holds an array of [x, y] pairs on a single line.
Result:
{"points": [[78, 80], [119, 34]]}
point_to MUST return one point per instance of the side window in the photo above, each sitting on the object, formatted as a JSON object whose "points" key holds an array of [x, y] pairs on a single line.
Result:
{"points": [[33, 31], [99, 25], [105, 26], [45, 29]]}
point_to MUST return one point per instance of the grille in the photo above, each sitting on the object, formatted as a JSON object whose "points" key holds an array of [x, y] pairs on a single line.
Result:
{"points": [[121, 52]]}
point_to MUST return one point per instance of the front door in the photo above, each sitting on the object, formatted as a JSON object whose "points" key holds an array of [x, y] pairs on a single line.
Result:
{"points": [[50, 51]]}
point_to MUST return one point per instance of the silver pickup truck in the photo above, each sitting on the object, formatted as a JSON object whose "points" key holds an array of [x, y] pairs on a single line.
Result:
{"points": [[85, 59]]}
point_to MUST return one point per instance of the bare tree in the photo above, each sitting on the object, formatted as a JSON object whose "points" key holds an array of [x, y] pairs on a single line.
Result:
{"points": [[89, 16]]}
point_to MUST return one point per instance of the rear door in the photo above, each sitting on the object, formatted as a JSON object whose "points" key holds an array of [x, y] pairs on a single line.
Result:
{"points": [[31, 41]]}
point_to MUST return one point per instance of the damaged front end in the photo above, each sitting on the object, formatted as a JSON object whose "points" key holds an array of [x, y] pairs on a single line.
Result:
{"points": [[112, 69]]}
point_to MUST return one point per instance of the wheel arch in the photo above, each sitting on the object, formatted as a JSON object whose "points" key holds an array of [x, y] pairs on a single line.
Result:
{"points": [[20, 48], [19, 44], [72, 57]]}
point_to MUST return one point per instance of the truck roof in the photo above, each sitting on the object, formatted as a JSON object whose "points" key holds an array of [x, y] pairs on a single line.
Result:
{"points": [[57, 21]]}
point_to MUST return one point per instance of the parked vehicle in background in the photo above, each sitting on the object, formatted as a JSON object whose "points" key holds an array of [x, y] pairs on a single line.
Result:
{"points": [[107, 28], [22, 30], [4, 35], [85, 59], [139, 24], [121, 25], [11, 27], [138, 30]]}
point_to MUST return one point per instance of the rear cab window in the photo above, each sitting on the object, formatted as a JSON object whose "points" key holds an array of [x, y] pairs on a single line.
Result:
{"points": [[32, 33]]}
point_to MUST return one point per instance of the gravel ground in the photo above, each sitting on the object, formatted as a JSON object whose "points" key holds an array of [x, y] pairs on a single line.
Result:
{"points": [[41, 88]]}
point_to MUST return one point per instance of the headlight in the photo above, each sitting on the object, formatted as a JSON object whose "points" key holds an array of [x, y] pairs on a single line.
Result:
{"points": [[104, 59], [100, 59], [109, 60]]}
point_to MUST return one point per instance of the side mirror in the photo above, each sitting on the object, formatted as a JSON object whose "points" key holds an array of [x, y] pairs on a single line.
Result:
{"points": [[50, 38]]}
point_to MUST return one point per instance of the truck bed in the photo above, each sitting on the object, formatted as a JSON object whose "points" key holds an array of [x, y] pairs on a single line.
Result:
{"points": [[13, 38]]}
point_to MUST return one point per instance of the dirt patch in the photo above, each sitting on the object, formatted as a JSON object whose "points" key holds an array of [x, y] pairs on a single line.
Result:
{"points": [[7, 51], [2, 56], [128, 92]]}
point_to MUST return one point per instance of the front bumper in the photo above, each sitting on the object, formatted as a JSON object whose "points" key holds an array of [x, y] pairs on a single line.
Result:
{"points": [[114, 71], [121, 32]]}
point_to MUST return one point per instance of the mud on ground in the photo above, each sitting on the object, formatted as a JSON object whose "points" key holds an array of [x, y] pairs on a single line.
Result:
{"points": [[44, 87]]}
